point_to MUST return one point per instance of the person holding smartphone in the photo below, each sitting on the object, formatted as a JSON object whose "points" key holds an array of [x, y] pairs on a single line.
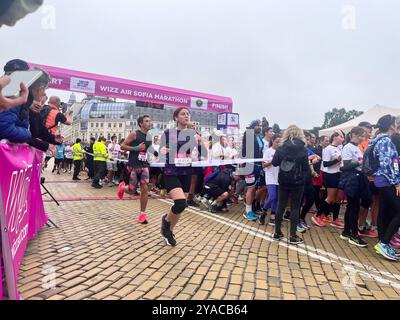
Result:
{"points": [[8, 103], [14, 119]]}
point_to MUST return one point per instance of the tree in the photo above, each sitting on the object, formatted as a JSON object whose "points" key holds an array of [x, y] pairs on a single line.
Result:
{"points": [[339, 116], [276, 129]]}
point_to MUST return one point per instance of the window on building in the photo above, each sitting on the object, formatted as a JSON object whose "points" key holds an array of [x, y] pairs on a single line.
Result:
{"points": [[120, 125], [109, 125], [91, 125], [101, 125], [115, 125], [97, 125]]}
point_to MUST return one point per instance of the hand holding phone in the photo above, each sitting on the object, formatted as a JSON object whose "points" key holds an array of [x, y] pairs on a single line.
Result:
{"points": [[7, 103]]}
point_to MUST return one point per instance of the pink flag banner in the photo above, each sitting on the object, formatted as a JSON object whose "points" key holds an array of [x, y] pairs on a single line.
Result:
{"points": [[98, 85], [21, 210]]}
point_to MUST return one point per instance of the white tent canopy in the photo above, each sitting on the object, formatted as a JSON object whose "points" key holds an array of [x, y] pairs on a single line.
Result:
{"points": [[372, 116]]}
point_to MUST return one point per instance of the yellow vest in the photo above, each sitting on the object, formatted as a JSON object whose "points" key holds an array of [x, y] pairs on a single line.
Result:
{"points": [[77, 151], [100, 152]]}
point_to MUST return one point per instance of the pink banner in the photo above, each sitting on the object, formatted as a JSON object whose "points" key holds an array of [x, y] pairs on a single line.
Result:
{"points": [[94, 84], [23, 211]]}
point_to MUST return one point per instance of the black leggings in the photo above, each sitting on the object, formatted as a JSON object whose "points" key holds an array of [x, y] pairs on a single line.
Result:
{"points": [[351, 216], [296, 195], [389, 213], [308, 198], [317, 196]]}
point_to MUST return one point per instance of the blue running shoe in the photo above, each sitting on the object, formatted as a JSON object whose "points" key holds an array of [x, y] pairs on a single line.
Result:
{"points": [[251, 216], [386, 251]]}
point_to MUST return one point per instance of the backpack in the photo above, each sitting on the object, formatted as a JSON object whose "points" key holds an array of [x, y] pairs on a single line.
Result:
{"points": [[290, 172], [370, 161], [49, 115]]}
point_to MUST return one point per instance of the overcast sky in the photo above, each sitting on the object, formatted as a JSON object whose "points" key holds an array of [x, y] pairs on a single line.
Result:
{"points": [[288, 60]]}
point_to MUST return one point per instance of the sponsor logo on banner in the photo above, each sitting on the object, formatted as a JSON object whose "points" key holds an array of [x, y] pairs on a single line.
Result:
{"points": [[222, 119], [83, 85], [233, 119], [198, 103]]}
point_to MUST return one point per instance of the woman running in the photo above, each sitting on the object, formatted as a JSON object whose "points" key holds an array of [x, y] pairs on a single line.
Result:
{"points": [[177, 146]]}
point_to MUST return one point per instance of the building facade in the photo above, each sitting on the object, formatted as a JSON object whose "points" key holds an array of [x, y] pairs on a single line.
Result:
{"points": [[95, 117]]}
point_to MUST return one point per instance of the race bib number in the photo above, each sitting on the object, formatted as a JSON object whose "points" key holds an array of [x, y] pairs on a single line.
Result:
{"points": [[250, 179], [142, 156], [396, 165], [183, 160]]}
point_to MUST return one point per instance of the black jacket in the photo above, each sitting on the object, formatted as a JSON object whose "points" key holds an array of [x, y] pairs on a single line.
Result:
{"points": [[292, 150], [222, 180], [41, 137]]}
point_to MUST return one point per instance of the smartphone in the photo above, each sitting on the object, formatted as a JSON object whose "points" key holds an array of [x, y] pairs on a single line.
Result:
{"points": [[26, 77]]}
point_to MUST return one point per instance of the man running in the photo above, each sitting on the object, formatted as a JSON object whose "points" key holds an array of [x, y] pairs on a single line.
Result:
{"points": [[137, 143]]}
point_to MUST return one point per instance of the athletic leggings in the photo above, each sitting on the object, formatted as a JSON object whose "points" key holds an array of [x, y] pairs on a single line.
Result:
{"points": [[308, 199], [351, 216], [272, 200], [389, 213], [296, 195]]}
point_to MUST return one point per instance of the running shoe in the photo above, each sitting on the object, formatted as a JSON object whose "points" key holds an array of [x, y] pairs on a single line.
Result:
{"points": [[345, 236], [386, 250], [214, 209], [326, 219], [261, 219], [300, 228], [272, 220], [96, 186], [373, 229], [166, 232], [367, 233], [305, 225], [142, 218], [357, 241], [295, 240], [154, 190], [121, 191], [241, 198], [395, 245], [317, 220], [337, 224], [192, 203], [278, 236], [206, 203], [251, 216]]}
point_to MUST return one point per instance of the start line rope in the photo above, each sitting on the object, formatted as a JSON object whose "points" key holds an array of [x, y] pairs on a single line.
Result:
{"points": [[195, 164]]}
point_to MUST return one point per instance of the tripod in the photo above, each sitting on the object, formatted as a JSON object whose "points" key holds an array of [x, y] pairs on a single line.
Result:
{"points": [[50, 222]]}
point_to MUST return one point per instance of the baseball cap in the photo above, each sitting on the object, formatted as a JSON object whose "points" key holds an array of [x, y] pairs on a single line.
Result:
{"points": [[16, 65]]}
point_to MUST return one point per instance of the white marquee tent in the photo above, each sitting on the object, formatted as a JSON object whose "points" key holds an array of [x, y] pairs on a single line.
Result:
{"points": [[372, 116]]}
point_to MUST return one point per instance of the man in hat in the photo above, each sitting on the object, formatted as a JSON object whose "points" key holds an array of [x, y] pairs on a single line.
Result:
{"points": [[252, 148]]}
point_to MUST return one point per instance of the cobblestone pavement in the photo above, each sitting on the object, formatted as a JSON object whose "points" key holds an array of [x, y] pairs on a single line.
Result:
{"points": [[99, 251]]}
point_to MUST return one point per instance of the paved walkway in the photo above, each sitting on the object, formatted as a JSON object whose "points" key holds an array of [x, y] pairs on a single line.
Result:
{"points": [[99, 251]]}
